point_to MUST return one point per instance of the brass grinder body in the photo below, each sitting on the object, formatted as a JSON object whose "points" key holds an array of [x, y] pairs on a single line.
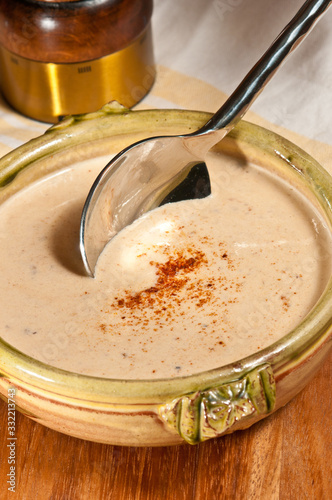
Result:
{"points": [[73, 56]]}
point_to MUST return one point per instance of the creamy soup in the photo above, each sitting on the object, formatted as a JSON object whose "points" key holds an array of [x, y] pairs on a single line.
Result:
{"points": [[188, 287]]}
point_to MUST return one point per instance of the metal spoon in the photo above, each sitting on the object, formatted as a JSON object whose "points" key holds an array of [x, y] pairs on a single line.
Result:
{"points": [[143, 174]]}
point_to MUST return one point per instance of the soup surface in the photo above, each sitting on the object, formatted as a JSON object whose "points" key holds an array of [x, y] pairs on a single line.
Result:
{"points": [[188, 287]]}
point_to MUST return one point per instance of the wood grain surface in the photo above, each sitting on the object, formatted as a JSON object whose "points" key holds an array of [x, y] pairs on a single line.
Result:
{"points": [[70, 32], [286, 456]]}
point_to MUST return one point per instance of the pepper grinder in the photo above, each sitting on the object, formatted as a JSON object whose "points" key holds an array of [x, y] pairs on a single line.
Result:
{"points": [[73, 56]]}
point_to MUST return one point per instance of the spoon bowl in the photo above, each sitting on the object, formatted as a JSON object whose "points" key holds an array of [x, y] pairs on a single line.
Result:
{"points": [[155, 170]]}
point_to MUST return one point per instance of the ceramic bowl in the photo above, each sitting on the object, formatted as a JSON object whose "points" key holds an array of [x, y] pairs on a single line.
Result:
{"points": [[175, 410]]}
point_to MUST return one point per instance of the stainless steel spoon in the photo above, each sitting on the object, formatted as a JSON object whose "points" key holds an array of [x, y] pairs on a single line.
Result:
{"points": [[139, 178]]}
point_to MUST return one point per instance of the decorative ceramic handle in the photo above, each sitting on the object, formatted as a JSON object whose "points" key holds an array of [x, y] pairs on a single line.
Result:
{"points": [[203, 415]]}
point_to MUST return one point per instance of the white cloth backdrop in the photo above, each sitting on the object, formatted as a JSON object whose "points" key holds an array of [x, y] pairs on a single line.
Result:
{"points": [[218, 41]]}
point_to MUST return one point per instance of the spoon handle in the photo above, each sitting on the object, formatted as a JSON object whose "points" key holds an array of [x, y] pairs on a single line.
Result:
{"points": [[252, 85]]}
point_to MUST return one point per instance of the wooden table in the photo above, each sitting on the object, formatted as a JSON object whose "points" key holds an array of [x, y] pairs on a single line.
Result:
{"points": [[286, 456]]}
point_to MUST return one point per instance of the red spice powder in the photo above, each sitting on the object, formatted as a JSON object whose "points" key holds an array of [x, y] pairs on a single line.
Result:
{"points": [[171, 277]]}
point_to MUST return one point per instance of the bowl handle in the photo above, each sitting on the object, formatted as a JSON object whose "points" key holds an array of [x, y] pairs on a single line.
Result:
{"points": [[202, 415]]}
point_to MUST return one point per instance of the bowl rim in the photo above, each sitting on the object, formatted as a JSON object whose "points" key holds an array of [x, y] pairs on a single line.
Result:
{"points": [[291, 349]]}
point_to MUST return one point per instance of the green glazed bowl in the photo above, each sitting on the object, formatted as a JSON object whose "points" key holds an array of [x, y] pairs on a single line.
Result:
{"points": [[184, 409]]}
